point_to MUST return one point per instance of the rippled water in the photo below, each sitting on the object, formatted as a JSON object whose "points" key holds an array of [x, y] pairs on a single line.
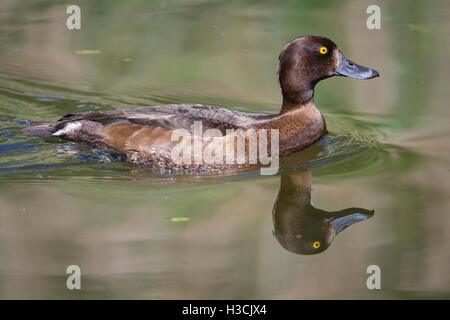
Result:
{"points": [[28, 157], [382, 171]]}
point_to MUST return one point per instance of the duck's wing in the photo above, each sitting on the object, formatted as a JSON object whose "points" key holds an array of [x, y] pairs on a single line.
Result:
{"points": [[172, 116], [183, 116]]}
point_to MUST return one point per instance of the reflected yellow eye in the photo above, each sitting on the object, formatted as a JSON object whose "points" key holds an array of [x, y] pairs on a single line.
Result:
{"points": [[323, 50], [316, 244]]}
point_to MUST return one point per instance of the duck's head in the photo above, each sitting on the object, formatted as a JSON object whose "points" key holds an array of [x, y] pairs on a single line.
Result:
{"points": [[311, 230], [300, 227], [306, 60]]}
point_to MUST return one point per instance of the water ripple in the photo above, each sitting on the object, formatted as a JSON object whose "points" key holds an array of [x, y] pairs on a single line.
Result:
{"points": [[351, 148]]}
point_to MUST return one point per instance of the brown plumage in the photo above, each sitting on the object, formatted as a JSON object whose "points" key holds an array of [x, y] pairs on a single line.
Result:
{"points": [[145, 134]]}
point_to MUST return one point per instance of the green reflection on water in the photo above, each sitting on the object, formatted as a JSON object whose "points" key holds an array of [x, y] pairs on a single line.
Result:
{"points": [[65, 204]]}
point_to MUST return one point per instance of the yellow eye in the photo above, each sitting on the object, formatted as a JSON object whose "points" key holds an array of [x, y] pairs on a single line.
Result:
{"points": [[323, 50], [316, 244]]}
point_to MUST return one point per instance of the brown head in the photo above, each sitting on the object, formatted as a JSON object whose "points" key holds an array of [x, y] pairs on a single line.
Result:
{"points": [[305, 61], [301, 228]]}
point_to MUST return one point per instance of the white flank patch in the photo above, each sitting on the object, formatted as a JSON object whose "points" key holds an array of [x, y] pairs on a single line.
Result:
{"points": [[70, 127]]}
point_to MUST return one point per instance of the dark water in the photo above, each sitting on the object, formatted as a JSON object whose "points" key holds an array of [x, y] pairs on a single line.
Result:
{"points": [[383, 170]]}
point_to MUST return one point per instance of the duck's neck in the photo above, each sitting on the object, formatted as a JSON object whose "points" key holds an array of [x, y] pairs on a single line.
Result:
{"points": [[303, 97], [299, 126]]}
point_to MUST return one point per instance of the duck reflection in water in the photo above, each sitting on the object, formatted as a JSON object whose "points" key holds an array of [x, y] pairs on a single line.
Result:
{"points": [[298, 226]]}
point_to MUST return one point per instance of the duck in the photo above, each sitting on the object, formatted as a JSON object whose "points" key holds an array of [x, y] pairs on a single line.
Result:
{"points": [[299, 227], [145, 135]]}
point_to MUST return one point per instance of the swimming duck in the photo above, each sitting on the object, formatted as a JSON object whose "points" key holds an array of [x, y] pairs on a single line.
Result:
{"points": [[301, 228], [146, 134]]}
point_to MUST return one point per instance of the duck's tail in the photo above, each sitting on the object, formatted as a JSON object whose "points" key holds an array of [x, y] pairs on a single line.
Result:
{"points": [[42, 129]]}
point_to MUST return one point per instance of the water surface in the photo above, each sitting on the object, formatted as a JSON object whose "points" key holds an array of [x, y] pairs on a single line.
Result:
{"points": [[139, 233]]}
